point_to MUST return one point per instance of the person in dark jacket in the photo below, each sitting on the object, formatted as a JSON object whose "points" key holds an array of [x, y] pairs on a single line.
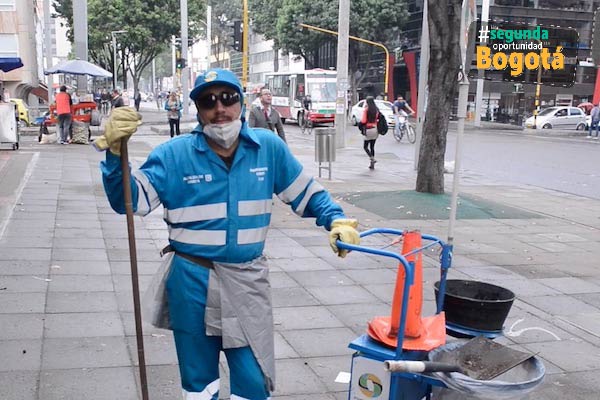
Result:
{"points": [[265, 116], [117, 99]]}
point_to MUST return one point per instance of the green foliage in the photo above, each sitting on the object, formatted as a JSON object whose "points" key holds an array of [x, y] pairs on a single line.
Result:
{"points": [[149, 25]]}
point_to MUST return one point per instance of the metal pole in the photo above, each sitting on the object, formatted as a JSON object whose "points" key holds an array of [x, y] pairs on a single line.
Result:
{"points": [[423, 77], [80, 35], [134, 271], [208, 35], [185, 71], [173, 61], [114, 44], [342, 73], [485, 15], [538, 88], [48, 44], [246, 28]]}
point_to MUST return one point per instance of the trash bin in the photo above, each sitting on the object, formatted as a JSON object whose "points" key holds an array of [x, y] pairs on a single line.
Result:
{"points": [[324, 145]]}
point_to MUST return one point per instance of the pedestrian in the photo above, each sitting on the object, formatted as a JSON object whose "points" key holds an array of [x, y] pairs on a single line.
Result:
{"points": [[117, 99], [265, 116], [595, 123], [173, 107], [64, 104], [137, 99], [216, 187], [369, 120]]}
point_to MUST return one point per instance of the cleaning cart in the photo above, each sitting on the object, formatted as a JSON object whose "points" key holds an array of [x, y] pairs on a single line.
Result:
{"points": [[9, 129], [404, 356]]}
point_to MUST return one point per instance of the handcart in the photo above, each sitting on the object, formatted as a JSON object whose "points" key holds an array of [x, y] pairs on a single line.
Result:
{"points": [[84, 111], [9, 128], [375, 363]]}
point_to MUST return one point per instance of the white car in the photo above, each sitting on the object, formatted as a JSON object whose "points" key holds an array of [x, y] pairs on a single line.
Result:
{"points": [[558, 117], [385, 107]]}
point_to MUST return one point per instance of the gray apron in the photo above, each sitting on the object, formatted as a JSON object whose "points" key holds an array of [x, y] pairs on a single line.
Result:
{"points": [[238, 308]]}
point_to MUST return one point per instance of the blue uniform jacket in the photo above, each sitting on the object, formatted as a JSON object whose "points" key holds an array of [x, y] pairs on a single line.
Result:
{"points": [[213, 212]]}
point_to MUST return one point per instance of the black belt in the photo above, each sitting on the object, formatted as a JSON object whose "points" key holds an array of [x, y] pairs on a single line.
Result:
{"points": [[203, 262]]}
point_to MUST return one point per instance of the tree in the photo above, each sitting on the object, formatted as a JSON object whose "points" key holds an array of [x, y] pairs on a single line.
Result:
{"points": [[375, 20], [444, 65], [149, 29]]}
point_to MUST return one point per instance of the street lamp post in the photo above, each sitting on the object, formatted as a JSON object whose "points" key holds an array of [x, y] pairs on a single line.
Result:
{"points": [[114, 44]]}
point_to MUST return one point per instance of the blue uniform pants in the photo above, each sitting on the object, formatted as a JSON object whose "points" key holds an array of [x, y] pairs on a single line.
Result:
{"points": [[197, 353]]}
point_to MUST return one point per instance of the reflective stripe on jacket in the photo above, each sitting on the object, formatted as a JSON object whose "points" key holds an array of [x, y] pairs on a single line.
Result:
{"points": [[212, 212]]}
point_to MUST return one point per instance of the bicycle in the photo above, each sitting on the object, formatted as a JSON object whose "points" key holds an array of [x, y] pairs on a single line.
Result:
{"points": [[306, 125], [404, 127]]}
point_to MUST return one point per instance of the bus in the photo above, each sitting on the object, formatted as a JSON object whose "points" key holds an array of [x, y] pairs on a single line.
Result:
{"points": [[290, 88]]}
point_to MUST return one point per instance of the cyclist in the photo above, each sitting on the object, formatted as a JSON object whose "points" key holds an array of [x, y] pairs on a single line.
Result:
{"points": [[400, 107]]}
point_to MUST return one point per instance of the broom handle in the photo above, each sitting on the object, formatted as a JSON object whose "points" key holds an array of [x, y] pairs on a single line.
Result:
{"points": [[134, 269]]}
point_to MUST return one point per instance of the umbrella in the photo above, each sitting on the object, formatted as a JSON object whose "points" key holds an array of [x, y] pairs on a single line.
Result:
{"points": [[587, 107], [10, 63], [78, 67]]}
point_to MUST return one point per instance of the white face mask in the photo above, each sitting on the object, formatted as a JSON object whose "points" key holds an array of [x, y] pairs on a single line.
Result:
{"points": [[224, 134]]}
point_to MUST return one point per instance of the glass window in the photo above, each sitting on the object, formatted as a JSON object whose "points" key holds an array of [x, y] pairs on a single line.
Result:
{"points": [[9, 45], [7, 5], [576, 111]]}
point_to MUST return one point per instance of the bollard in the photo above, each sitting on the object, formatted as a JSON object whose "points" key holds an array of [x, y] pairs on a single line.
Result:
{"points": [[324, 148]]}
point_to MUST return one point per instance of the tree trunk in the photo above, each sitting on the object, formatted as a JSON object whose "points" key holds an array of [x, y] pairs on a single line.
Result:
{"points": [[444, 65]]}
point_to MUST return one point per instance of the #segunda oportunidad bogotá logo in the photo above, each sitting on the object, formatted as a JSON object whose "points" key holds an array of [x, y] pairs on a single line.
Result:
{"points": [[510, 51]]}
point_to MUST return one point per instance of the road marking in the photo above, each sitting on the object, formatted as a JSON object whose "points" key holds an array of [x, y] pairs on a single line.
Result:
{"points": [[512, 333]]}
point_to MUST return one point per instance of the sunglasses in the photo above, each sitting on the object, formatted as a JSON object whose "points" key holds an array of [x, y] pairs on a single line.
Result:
{"points": [[209, 101]]}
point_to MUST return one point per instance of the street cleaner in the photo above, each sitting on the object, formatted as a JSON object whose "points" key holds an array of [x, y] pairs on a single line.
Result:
{"points": [[216, 186]]}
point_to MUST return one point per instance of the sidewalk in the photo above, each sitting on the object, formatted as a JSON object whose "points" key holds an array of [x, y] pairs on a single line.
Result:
{"points": [[66, 321]]}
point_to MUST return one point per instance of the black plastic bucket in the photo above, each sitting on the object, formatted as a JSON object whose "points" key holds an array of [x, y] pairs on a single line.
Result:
{"points": [[476, 305]]}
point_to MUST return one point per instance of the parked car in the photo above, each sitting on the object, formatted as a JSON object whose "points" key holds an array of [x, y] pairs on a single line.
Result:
{"points": [[23, 111], [385, 107], [559, 118]]}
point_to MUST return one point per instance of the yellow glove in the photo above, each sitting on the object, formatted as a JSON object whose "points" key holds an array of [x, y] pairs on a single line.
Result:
{"points": [[122, 123], [344, 230]]}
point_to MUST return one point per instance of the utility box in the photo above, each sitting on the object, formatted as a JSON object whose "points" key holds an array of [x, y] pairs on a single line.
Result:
{"points": [[324, 145]]}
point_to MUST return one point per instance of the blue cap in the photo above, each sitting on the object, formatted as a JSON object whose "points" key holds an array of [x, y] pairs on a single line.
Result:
{"points": [[214, 77]]}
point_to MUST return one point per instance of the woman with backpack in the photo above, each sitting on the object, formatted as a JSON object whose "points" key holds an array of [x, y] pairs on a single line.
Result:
{"points": [[369, 121]]}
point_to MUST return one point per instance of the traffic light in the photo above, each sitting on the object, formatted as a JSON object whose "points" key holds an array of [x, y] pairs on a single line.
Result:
{"points": [[180, 63], [238, 37]]}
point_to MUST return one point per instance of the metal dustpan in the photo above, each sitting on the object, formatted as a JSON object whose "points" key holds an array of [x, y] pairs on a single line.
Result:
{"points": [[483, 359]]}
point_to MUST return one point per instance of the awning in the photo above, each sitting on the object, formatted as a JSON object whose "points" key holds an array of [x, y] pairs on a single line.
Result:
{"points": [[10, 63]]}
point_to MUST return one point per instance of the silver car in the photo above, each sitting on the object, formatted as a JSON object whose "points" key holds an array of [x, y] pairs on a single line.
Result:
{"points": [[559, 118]]}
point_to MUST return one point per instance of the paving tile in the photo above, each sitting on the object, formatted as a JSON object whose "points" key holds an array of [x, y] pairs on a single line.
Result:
{"points": [[562, 237], [15, 303], [81, 283], [91, 352], [31, 254], [301, 264], [283, 348], [280, 280], [587, 322], [320, 342], [526, 288], [63, 267], [78, 302], [294, 377], [327, 369], [288, 318], [571, 355], [529, 328], [570, 285], [97, 384], [63, 254], [19, 385], [321, 278], [292, 297], [25, 268], [342, 295], [356, 316], [372, 276], [158, 349], [74, 325], [80, 233], [124, 267], [489, 273], [559, 304], [21, 326], [20, 355]]}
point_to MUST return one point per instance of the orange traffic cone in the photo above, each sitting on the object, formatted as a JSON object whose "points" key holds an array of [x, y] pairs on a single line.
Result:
{"points": [[419, 333], [414, 325]]}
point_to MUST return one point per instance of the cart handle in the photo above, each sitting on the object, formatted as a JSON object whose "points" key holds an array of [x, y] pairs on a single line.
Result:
{"points": [[408, 269]]}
